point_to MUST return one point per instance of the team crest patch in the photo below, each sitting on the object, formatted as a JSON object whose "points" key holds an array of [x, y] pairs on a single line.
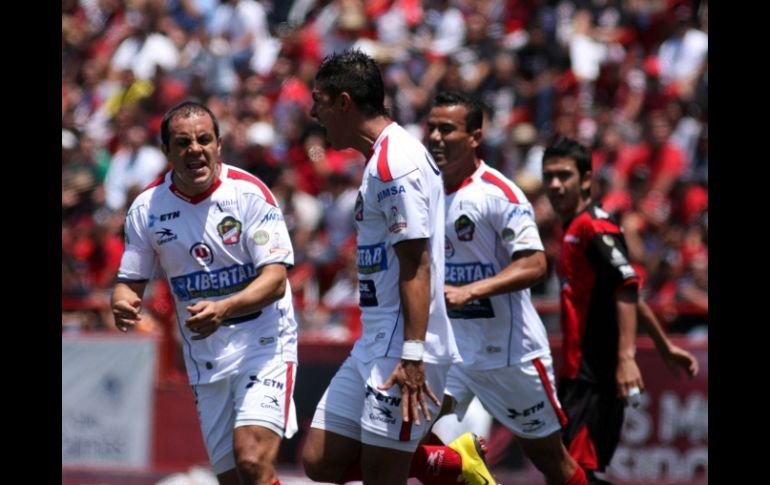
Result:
{"points": [[359, 209], [508, 234], [449, 250], [229, 230], [261, 237], [464, 227]]}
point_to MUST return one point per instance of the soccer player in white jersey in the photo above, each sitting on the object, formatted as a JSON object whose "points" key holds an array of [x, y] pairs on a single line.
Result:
{"points": [[220, 237], [379, 404], [493, 257]]}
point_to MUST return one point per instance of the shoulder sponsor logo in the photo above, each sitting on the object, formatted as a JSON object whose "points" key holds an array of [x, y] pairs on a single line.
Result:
{"points": [[169, 215], [608, 240], [266, 340], [389, 192], [396, 221], [202, 254], [207, 284], [165, 235], [271, 217], [261, 237], [359, 209], [464, 227], [153, 220], [372, 259], [229, 230], [277, 246], [493, 349], [519, 210], [449, 250], [508, 234]]}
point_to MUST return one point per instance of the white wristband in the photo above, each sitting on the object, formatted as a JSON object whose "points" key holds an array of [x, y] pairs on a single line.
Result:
{"points": [[413, 350]]}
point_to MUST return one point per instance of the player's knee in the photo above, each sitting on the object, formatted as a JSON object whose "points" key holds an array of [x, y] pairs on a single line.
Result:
{"points": [[254, 463], [312, 462]]}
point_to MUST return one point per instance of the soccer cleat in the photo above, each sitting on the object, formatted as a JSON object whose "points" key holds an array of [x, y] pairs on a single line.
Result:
{"points": [[474, 466]]}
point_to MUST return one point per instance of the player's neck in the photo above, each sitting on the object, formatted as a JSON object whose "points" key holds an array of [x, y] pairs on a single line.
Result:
{"points": [[368, 132]]}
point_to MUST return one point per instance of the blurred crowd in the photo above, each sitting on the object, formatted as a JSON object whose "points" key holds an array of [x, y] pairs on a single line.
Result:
{"points": [[628, 78]]}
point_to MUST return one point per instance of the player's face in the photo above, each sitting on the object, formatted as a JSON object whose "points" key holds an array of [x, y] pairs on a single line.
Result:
{"points": [[450, 143], [325, 111], [193, 150], [564, 185]]}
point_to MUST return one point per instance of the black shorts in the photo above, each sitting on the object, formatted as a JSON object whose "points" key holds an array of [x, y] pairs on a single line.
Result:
{"points": [[595, 419]]}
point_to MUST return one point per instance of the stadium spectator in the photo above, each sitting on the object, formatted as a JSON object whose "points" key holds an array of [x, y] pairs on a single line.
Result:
{"points": [[220, 238]]}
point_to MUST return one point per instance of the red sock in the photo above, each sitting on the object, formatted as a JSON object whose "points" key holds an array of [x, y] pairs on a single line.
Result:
{"points": [[577, 478], [436, 465], [431, 464]]}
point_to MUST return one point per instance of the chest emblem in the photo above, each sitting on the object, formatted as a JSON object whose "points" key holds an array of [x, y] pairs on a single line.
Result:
{"points": [[229, 230]]}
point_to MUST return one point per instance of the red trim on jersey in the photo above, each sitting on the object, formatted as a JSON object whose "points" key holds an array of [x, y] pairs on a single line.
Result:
{"points": [[383, 170], [287, 399], [234, 174], [406, 432], [549, 390], [491, 178], [583, 451], [452, 190], [203, 195]]}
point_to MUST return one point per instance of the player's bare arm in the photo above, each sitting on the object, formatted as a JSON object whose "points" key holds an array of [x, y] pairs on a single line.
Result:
{"points": [[265, 289], [628, 376], [414, 288], [527, 268], [675, 357]]}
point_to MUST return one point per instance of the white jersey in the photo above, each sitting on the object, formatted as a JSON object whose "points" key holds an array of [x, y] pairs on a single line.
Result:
{"points": [[488, 219], [401, 198], [212, 246]]}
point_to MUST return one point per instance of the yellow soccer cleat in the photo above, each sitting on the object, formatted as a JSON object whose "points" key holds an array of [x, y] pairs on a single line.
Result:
{"points": [[475, 471]]}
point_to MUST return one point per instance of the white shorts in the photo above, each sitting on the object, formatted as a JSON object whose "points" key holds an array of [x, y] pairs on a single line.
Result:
{"points": [[352, 405], [522, 398], [262, 397]]}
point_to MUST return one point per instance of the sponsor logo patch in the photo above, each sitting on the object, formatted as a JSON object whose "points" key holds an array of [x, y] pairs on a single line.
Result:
{"points": [[396, 221], [261, 237], [372, 259], [508, 234], [202, 254]]}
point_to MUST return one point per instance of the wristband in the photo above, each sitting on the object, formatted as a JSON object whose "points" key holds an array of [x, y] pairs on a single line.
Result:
{"points": [[413, 350]]}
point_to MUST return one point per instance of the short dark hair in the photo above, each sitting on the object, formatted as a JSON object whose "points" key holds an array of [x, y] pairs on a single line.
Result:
{"points": [[475, 116], [185, 109], [357, 74], [563, 147]]}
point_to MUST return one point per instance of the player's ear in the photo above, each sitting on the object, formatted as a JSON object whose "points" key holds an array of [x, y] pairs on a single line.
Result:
{"points": [[344, 100], [585, 181]]}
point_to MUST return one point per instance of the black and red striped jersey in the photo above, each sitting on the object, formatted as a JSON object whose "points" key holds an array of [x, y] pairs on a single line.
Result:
{"points": [[594, 264]]}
